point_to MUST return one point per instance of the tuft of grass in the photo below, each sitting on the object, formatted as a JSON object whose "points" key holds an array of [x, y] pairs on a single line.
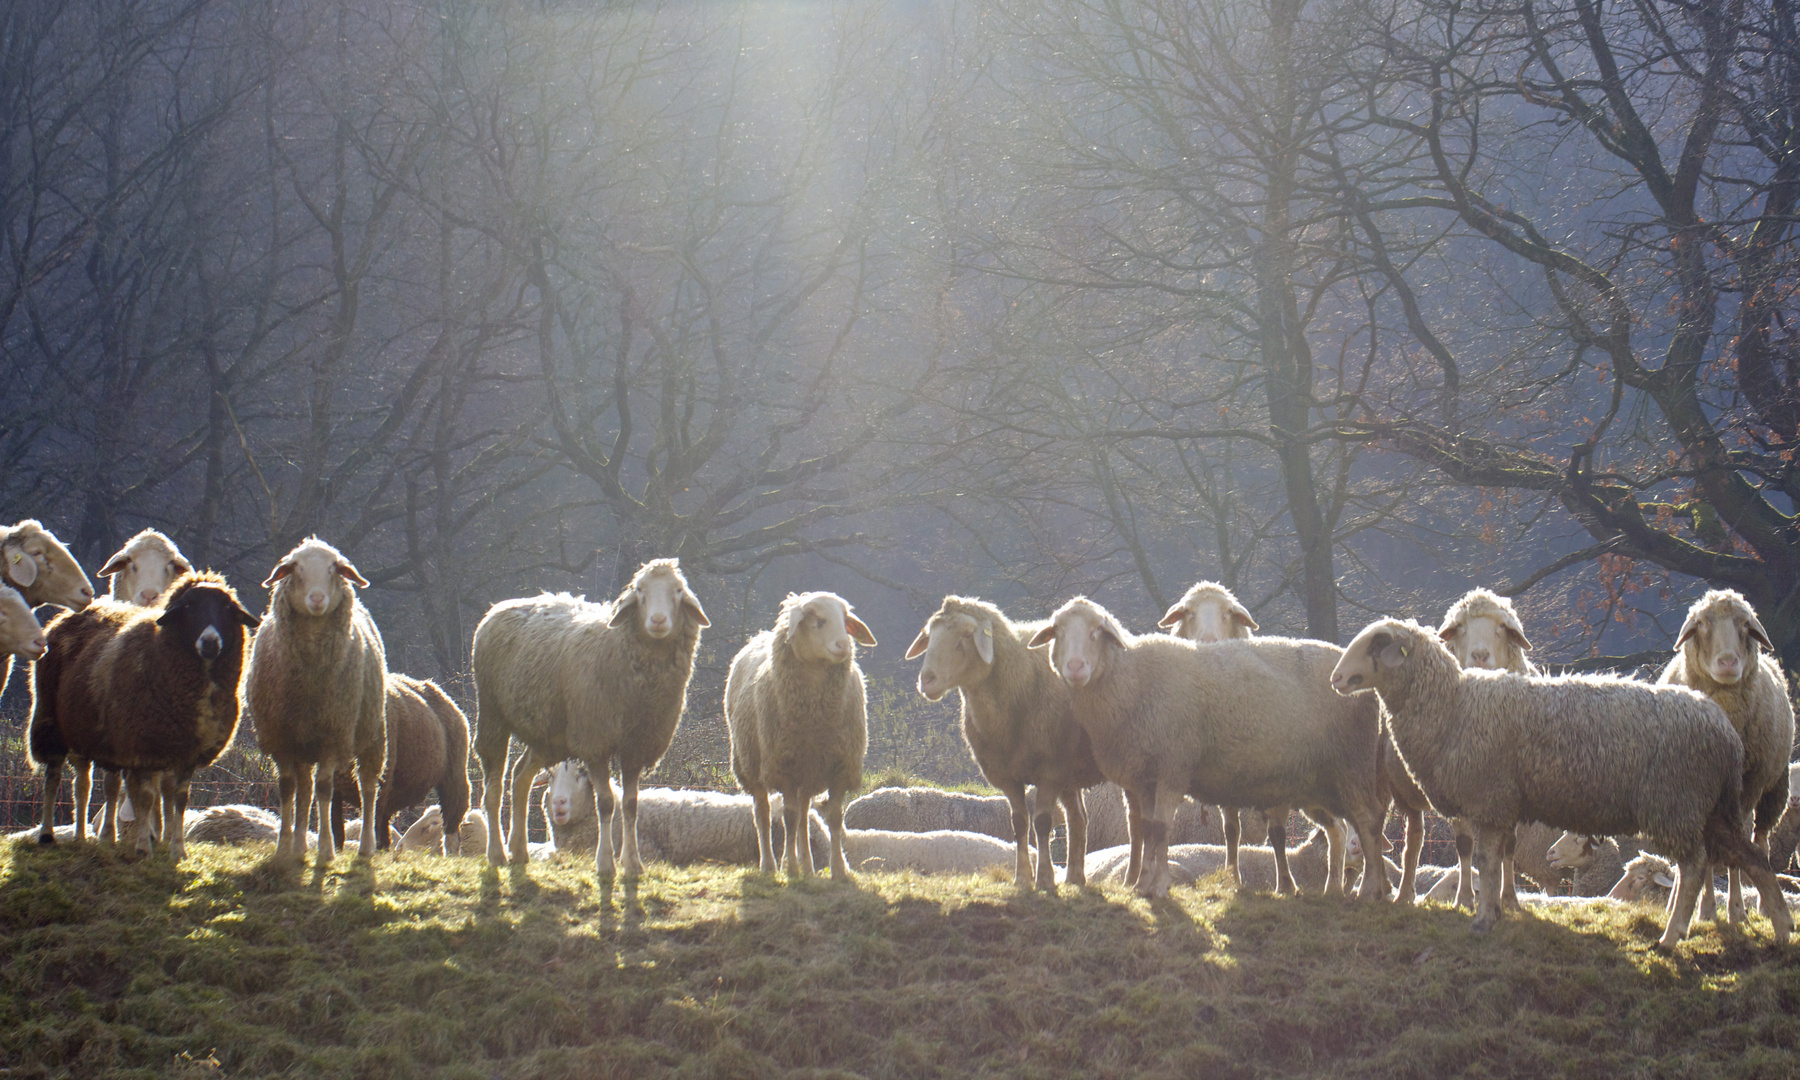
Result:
{"points": [[409, 966]]}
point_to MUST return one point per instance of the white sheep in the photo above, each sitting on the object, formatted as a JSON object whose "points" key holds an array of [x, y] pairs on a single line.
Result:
{"points": [[1229, 723], [20, 632], [427, 833], [1597, 754], [315, 691], [1017, 723], [1593, 863], [940, 851], [598, 682], [234, 823], [1257, 869], [796, 706], [35, 563], [1720, 652], [926, 809], [1647, 879]]}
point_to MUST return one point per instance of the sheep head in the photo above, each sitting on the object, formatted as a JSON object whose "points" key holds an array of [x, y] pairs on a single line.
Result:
{"points": [[321, 575], [568, 788], [36, 563], [958, 646], [819, 627], [1386, 645], [148, 564], [1643, 876], [200, 608], [1574, 851], [1209, 613], [1084, 636], [1722, 636], [20, 632], [1483, 631], [660, 598]]}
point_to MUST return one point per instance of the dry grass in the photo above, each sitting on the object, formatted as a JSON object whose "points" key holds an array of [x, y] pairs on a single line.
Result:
{"points": [[412, 966]]}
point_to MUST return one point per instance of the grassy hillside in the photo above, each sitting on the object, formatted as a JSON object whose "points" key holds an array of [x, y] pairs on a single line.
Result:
{"points": [[411, 966]]}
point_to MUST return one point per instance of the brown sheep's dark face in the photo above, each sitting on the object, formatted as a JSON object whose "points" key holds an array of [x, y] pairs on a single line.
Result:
{"points": [[209, 619]]}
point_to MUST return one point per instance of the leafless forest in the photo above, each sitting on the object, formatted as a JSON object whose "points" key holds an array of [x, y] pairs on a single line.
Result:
{"points": [[1351, 305]]}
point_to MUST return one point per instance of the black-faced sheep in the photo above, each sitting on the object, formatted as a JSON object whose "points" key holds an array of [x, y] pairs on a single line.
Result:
{"points": [[597, 682], [427, 747], [1600, 755], [316, 690], [795, 704], [1719, 652], [1237, 723], [146, 690], [1017, 722]]}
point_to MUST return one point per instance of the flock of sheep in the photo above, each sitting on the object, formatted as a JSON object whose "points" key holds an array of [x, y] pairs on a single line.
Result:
{"points": [[1074, 718]]}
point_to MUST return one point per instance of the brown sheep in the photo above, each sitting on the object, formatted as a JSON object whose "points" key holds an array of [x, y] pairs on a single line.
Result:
{"points": [[146, 690], [427, 747]]}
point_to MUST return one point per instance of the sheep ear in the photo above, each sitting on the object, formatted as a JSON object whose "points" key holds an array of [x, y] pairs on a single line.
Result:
{"points": [[21, 568], [1664, 880], [1242, 615], [118, 564], [858, 630], [984, 641], [917, 648], [1519, 638], [1173, 616], [348, 573], [622, 609], [1042, 637], [1688, 629], [1450, 631], [1754, 627], [244, 616], [692, 604], [281, 570], [182, 565]]}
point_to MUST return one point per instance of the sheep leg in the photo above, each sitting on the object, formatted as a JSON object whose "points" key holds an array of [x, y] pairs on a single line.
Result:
{"points": [[1075, 812], [631, 864], [1509, 886], [1154, 880], [1276, 822], [1231, 826], [174, 813], [368, 780], [138, 784], [492, 789], [1014, 790], [1709, 906], [793, 815], [524, 771], [1134, 828], [288, 780], [337, 816], [1691, 876], [324, 783], [52, 781], [834, 821], [604, 865], [1409, 866], [1375, 882], [84, 786], [765, 850], [1490, 847], [1045, 824], [1465, 863], [1768, 888], [109, 820]]}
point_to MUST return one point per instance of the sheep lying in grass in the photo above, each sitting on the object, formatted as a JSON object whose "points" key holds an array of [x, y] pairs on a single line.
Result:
{"points": [[1719, 652], [1227, 722], [148, 690], [35, 563], [316, 690], [1017, 723], [1308, 864], [234, 823], [597, 682], [927, 809], [1594, 863], [1109, 821], [1601, 755], [795, 705], [940, 851], [1647, 879], [426, 835]]}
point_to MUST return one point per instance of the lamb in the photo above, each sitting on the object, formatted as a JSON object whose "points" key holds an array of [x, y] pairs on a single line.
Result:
{"points": [[427, 833], [598, 682], [1209, 612], [316, 690], [1596, 861], [427, 747], [1596, 754], [1719, 652], [795, 705], [1017, 723], [233, 823], [940, 851], [140, 571], [36, 564], [1229, 723], [146, 690]]}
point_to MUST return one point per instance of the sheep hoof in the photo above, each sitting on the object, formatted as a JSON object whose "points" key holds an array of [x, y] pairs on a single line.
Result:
{"points": [[46, 838], [1076, 877]]}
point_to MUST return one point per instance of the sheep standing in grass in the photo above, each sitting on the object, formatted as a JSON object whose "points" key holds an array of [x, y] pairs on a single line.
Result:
{"points": [[147, 690], [1600, 755], [1017, 722], [1238, 723], [316, 690], [36, 564], [795, 705], [140, 571], [1719, 652], [597, 682], [1209, 612], [427, 747]]}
